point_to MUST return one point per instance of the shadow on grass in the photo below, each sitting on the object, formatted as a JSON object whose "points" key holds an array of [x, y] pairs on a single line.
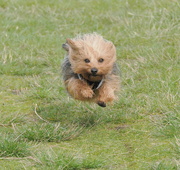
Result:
{"points": [[86, 114], [70, 113], [48, 132], [55, 122]]}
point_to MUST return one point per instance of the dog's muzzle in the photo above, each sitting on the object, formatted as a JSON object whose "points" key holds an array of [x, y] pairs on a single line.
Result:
{"points": [[94, 71]]}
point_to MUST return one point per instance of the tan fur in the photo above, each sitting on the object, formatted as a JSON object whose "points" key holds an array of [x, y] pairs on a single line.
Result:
{"points": [[101, 55]]}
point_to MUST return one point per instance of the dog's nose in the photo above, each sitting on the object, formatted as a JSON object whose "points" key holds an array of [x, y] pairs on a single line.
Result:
{"points": [[94, 71]]}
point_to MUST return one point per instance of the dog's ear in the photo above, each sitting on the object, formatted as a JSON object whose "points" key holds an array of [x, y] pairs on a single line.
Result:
{"points": [[73, 44], [110, 46], [110, 49], [65, 46]]}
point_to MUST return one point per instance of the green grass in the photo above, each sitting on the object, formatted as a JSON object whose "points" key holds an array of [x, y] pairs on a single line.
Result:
{"points": [[41, 127], [10, 147]]}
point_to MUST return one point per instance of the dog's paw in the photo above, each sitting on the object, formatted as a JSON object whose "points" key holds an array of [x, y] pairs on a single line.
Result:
{"points": [[87, 93], [102, 104]]}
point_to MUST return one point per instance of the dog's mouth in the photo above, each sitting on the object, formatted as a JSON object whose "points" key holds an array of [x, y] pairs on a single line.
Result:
{"points": [[95, 77], [92, 77]]}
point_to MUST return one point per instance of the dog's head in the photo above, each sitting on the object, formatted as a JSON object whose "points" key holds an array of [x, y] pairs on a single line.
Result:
{"points": [[91, 56]]}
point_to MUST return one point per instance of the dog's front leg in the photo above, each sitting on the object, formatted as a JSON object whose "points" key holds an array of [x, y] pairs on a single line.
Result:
{"points": [[106, 94], [79, 89]]}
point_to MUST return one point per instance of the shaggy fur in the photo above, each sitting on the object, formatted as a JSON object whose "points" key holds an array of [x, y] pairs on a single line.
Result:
{"points": [[89, 69]]}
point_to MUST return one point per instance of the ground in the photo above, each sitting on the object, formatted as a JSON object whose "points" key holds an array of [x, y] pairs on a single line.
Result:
{"points": [[41, 127]]}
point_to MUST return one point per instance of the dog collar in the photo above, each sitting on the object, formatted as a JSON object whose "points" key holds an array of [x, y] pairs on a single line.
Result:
{"points": [[95, 85]]}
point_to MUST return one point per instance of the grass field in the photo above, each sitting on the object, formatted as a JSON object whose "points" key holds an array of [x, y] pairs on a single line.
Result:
{"points": [[41, 127]]}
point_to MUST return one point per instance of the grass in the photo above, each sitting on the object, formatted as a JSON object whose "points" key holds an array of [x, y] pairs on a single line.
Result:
{"points": [[41, 127], [10, 147], [59, 160]]}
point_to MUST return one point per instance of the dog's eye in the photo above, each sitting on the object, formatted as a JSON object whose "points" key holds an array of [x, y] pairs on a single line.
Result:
{"points": [[101, 60], [86, 60]]}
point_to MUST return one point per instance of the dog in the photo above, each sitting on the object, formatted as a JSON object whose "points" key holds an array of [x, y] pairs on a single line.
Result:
{"points": [[89, 69]]}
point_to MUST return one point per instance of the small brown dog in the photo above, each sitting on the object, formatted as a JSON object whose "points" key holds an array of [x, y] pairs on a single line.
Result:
{"points": [[89, 69]]}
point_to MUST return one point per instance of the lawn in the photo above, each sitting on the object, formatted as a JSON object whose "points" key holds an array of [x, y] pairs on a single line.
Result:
{"points": [[41, 127]]}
